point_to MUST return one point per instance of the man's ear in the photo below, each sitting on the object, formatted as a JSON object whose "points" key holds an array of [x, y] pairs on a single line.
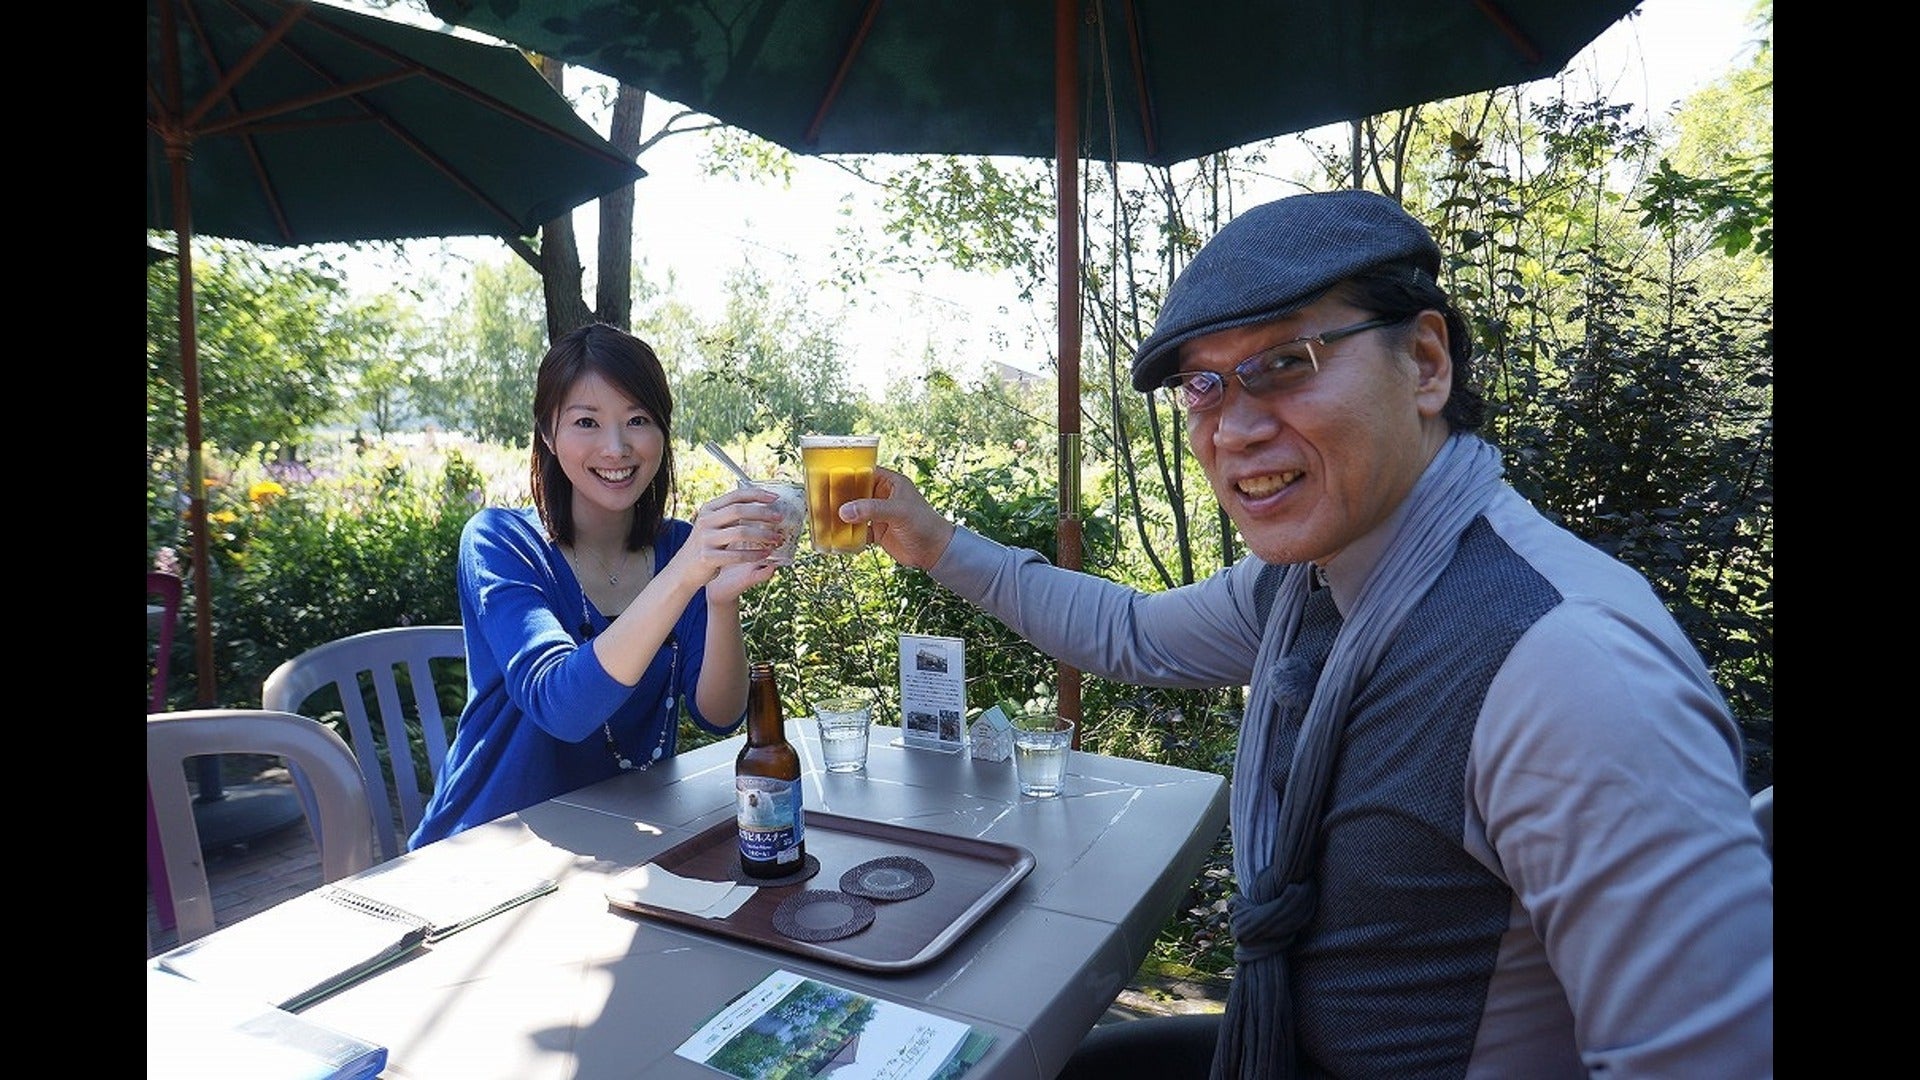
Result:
{"points": [[1432, 362]]}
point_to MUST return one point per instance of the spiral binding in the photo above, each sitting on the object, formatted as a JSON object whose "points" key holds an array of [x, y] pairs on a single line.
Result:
{"points": [[368, 905]]}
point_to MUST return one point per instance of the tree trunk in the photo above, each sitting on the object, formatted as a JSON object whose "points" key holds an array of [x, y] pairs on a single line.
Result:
{"points": [[560, 271], [562, 274], [613, 295]]}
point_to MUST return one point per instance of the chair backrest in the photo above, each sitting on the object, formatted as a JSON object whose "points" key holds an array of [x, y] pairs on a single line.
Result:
{"points": [[163, 590], [341, 820], [396, 791]]}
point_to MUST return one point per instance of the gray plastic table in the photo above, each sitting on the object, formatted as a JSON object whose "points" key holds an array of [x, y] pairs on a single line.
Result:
{"points": [[569, 986]]}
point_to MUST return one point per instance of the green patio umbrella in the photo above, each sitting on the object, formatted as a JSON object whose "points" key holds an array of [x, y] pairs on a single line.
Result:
{"points": [[1152, 81], [282, 122], [1177, 78]]}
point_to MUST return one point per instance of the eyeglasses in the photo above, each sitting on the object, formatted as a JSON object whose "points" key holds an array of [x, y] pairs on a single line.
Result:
{"points": [[1272, 369]]}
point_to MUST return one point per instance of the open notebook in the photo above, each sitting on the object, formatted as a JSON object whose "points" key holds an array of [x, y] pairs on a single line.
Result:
{"points": [[198, 1032], [441, 900], [297, 952]]}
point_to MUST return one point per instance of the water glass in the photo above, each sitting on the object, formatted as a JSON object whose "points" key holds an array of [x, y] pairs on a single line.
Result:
{"points": [[844, 723], [1041, 745]]}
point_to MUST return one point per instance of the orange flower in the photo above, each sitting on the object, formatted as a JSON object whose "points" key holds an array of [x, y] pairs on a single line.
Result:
{"points": [[265, 491]]}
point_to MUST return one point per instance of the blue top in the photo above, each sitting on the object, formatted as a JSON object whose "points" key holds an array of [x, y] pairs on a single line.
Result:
{"points": [[538, 704]]}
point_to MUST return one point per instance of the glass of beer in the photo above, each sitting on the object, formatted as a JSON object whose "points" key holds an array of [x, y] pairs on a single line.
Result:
{"points": [[839, 468]]}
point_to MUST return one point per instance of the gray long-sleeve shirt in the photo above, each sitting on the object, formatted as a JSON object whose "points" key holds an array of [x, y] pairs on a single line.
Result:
{"points": [[1537, 858]]}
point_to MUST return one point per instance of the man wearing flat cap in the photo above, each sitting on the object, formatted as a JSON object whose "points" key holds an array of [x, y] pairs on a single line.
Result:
{"points": [[1487, 809]]}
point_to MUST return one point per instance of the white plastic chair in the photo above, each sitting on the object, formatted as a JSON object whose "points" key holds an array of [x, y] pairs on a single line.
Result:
{"points": [[162, 619], [339, 814], [377, 655]]}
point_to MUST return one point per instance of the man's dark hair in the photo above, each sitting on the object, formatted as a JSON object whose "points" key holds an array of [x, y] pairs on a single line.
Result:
{"points": [[1395, 289]]}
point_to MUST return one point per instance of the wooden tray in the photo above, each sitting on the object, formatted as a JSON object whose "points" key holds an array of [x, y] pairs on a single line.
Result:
{"points": [[969, 878]]}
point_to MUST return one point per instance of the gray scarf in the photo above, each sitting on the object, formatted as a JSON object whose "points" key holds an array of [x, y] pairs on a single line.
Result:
{"points": [[1277, 901]]}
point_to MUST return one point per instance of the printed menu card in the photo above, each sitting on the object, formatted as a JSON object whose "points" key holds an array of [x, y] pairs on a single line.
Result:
{"points": [[790, 1025]]}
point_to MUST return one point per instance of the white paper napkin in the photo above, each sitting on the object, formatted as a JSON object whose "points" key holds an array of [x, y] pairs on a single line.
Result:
{"points": [[655, 887]]}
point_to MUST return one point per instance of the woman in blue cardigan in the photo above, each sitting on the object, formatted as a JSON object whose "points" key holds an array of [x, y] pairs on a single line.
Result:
{"points": [[592, 617]]}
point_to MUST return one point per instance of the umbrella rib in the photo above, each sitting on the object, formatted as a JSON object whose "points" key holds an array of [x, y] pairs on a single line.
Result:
{"points": [[1149, 129], [452, 174], [847, 59], [468, 90], [252, 121], [394, 128], [183, 135], [405, 68], [353, 93], [246, 63], [179, 122], [1528, 50]]}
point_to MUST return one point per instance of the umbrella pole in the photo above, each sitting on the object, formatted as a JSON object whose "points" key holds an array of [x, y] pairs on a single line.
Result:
{"points": [[204, 690], [1066, 152]]}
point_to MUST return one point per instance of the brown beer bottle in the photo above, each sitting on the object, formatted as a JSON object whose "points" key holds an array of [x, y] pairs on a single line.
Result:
{"points": [[766, 785]]}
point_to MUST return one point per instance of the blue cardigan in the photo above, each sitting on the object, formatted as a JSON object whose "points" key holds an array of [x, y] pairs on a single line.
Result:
{"points": [[538, 704]]}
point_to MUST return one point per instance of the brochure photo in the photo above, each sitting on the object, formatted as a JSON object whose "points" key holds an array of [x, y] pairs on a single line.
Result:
{"points": [[793, 1026]]}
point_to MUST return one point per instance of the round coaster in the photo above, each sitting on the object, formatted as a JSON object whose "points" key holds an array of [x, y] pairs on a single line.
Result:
{"points": [[810, 867], [890, 877], [822, 915]]}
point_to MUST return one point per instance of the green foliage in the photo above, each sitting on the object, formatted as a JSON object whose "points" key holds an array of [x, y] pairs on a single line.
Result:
{"points": [[302, 555], [1720, 168], [933, 408], [1631, 396], [389, 367], [1738, 203], [1654, 441], [485, 387], [737, 155], [770, 372], [825, 624], [971, 213], [268, 348]]}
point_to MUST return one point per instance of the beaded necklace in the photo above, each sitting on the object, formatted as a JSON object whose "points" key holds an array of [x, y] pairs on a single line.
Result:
{"points": [[667, 712]]}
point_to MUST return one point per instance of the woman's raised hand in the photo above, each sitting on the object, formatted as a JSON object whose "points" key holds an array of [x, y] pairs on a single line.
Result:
{"points": [[731, 536]]}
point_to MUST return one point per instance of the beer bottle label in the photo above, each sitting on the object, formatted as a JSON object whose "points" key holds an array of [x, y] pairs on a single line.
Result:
{"points": [[768, 812]]}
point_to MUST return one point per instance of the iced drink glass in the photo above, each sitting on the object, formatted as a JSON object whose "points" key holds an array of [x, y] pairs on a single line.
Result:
{"points": [[839, 468], [791, 501]]}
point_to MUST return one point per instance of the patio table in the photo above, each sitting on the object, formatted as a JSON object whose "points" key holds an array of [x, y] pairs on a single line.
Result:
{"points": [[570, 986]]}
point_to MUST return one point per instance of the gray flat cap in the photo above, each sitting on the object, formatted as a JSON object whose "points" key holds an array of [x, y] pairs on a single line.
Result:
{"points": [[1274, 260]]}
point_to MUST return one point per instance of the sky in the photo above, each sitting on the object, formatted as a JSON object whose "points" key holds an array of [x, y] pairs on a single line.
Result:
{"points": [[701, 229]]}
